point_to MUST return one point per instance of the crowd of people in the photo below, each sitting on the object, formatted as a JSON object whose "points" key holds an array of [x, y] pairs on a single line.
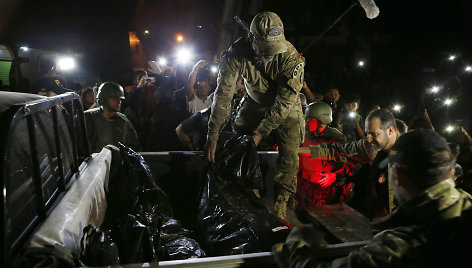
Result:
{"points": [[328, 153]]}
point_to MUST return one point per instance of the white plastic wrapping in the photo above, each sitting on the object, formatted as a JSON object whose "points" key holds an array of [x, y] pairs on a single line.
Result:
{"points": [[83, 204]]}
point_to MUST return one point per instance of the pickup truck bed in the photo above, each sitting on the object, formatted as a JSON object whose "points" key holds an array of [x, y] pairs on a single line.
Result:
{"points": [[48, 174]]}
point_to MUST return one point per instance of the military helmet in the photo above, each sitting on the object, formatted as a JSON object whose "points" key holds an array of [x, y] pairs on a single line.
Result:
{"points": [[268, 31], [319, 110], [110, 90]]}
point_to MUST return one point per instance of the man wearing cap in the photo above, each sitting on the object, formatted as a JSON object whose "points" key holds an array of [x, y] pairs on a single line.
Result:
{"points": [[430, 228], [316, 177], [105, 124], [381, 134], [273, 74]]}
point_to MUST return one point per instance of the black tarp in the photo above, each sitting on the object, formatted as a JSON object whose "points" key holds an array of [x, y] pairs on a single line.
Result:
{"points": [[231, 219]]}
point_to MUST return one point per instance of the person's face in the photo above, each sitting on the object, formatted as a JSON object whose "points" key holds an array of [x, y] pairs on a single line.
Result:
{"points": [[90, 98], [138, 78], [353, 106], [113, 105], [315, 126], [202, 88], [333, 95], [378, 138]]}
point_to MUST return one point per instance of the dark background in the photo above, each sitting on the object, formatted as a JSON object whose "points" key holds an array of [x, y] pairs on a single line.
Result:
{"points": [[405, 48]]}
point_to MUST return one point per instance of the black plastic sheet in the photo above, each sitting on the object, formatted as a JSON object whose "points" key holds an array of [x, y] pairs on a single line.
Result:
{"points": [[140, 215], [97, 248], [231, 218], [237, 161]]}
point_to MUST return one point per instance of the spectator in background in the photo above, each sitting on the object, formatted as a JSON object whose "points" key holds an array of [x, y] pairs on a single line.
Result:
{"points": [[332, 97], [105, 124], [142, 110], [87, 96], [350, 121], [311, 96], [401, 126], [198, 88]]}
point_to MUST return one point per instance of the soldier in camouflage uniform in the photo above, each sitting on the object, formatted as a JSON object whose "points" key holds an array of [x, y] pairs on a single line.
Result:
{"points": [[105, 124], [432, 226], [273, 75], [316, 176]]}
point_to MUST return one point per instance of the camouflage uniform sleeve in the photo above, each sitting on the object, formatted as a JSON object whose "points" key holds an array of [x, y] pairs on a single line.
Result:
{"points": [[356, 151], [290, 83], [385, 250], [221, 106]]}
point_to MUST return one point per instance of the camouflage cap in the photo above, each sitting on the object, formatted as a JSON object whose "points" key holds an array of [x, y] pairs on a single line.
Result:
{"points": [[268, 31]]}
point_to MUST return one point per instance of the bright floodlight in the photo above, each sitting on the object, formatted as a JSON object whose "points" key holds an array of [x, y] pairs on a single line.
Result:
{"points": [[162, 61], [397, 108], [361, 63], [24, 48], [146, 32], [352, 114], [180, 38], [448, 102], [435, 89], [449, 128], [184, 55], [214, 69], [468, 68], [452, 57], [66, 64]]}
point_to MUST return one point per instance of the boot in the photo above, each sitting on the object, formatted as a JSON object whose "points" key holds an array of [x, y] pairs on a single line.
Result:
{"points": [[280, 206]]}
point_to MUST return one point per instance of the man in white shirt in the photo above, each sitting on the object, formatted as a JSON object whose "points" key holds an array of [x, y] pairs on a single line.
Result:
{"points": [[198, 88]]}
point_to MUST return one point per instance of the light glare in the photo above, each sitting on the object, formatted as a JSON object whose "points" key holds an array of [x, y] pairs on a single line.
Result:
{"points": [[448, 102], [66, 63], [435, 89], [361, 63], [452, 57], [162, 61], [214, 69], [184, 55], [397, 108]]}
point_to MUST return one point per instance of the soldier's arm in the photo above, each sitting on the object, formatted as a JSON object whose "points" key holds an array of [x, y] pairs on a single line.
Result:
{"points": [[290, 83], [356, 151], [221, 107]]}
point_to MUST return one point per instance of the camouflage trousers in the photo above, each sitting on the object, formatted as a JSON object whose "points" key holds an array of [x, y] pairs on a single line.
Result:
{"points": [[289, 135]]}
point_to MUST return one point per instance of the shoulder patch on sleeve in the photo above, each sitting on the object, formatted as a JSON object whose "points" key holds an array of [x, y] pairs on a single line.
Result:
{"points": [[298, 70]]}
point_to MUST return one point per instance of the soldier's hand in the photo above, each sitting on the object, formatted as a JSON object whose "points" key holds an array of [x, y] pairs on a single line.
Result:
{"points": [[257, 139], [210, 149], [327, 178]]}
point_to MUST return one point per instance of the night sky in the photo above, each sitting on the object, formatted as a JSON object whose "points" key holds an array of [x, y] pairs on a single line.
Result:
{"points": [[405, 48]]}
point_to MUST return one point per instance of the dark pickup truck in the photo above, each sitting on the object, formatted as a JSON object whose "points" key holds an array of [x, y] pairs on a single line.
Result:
{"points": [[53, 187]]}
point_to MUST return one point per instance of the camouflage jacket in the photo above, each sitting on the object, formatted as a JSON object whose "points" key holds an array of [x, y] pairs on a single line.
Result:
{"points": [[102, 131], [431, 230], [357, 151], [275, 84]]}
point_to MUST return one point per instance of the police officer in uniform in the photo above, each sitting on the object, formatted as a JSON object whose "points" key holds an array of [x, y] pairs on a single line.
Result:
{"points": [[105, 124], [273, 75]]}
